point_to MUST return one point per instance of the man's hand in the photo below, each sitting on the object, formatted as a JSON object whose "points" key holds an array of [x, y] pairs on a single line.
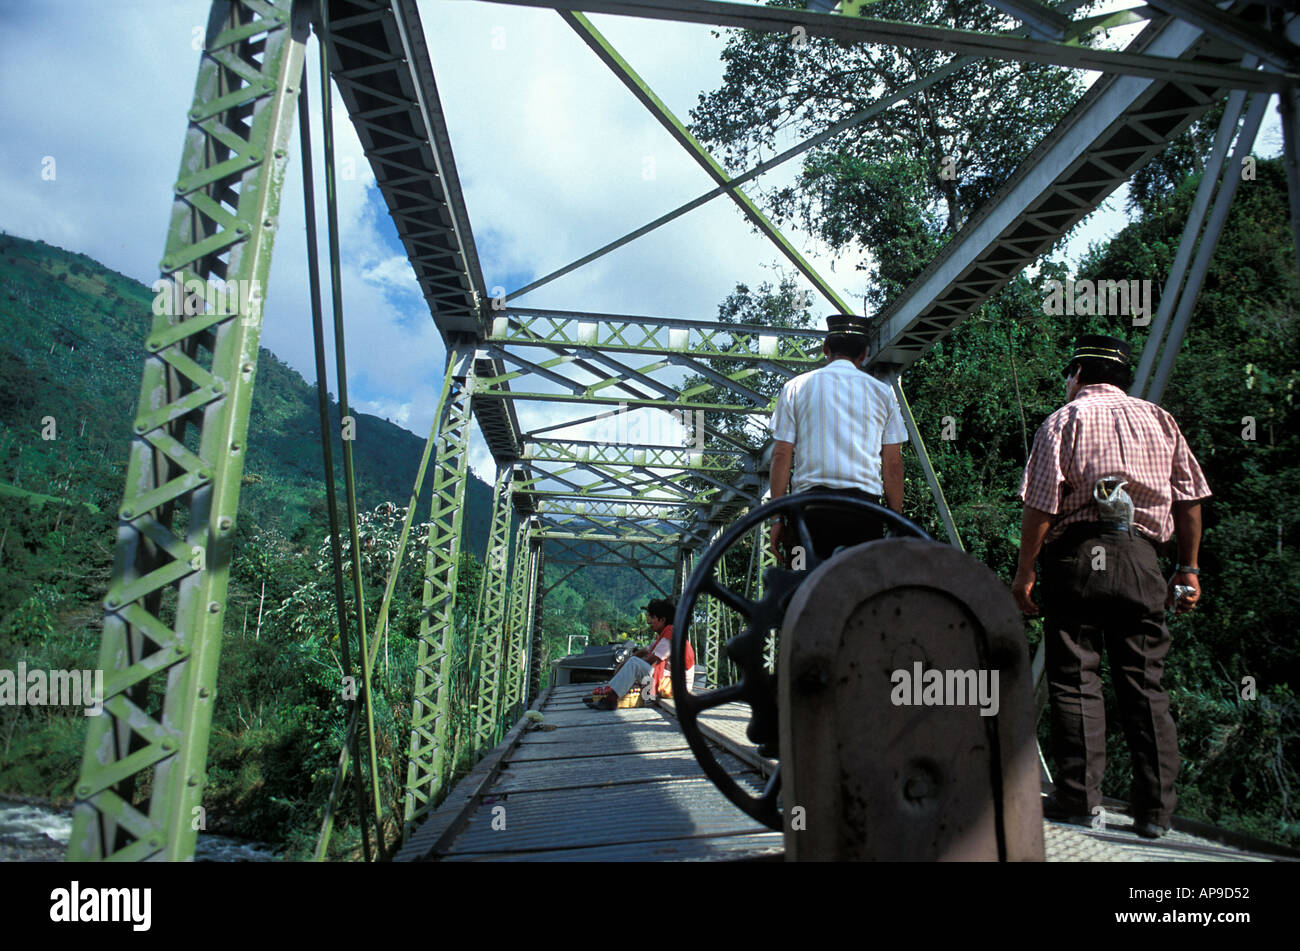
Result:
{"points": [[776, 537], [1021, 588], [1033, 529], [1186, 604]]}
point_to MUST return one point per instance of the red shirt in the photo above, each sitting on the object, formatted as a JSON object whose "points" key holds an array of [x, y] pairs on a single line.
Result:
{"points": [[1104, 431], [666, 639]]}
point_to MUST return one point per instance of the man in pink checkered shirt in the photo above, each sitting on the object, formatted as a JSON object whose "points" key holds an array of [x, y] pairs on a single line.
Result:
{"points": [[1110, 478]]}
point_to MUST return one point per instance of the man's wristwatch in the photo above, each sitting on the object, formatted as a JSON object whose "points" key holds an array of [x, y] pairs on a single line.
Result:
{"points": [[1188, 570]]}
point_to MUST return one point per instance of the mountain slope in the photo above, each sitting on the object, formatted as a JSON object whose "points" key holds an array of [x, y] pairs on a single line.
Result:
{"points": [[74, 352]]}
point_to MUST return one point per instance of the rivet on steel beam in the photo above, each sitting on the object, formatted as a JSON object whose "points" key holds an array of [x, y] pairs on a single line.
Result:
{"points": [[281, 153], [126, 515], [205, 692], [192, 781], [168, 743], [111, 602], [141, 428], [83, 791], [225, 523], [234, 447], [214, 607], [205, 474]]}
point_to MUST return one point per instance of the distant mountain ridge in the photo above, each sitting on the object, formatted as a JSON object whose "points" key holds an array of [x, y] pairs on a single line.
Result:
{"points": [[73, 352]]}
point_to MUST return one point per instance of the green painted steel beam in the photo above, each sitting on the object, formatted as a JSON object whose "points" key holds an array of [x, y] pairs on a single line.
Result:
{"points": [[139, 795], [537, 603], [495, 388], [514, 658], [651, 554], [430, 714], [799, 349], [1005, 46], [639, 88], [636, 455], [492, 624]]}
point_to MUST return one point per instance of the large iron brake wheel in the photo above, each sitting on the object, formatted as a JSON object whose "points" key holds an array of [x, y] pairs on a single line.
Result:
{"points": [[757, 687]]}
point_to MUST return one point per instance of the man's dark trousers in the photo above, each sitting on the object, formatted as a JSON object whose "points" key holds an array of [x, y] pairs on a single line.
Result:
{"points": [[1120, 607], [833, 527]]}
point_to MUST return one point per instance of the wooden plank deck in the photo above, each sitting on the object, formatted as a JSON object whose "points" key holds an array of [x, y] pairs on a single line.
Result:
{"points": [[623, 785], [589, 785]]}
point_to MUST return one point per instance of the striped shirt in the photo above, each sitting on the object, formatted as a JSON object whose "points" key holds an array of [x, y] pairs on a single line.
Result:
{"points": [[838, 417], [1101, 432]]}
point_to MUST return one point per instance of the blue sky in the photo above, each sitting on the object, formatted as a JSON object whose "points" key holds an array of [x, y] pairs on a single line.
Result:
{"points": [[551, 149]]}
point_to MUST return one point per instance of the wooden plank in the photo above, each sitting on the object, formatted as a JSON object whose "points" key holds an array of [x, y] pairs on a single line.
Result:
{"points": [[740, 847], [648, 738], [673, 809], [601, 771], [584, 717], [726, 726], [450, 817]]}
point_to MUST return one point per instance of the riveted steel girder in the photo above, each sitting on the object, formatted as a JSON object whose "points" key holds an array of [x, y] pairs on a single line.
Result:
{"points": [[426, 767], [664, 336], [142, 776], [1119, 125], [1008, 46], [381, 64], [491, 625], [637, 455]]}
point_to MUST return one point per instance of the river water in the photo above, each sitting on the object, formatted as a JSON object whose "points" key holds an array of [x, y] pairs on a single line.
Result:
{"points": [[39, 832]]}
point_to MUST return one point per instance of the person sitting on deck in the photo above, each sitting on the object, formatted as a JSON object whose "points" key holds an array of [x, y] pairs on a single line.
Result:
{"points": [[648, 665]]}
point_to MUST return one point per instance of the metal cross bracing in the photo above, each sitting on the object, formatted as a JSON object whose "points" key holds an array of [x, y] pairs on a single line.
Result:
{"points": [[576, 500]]}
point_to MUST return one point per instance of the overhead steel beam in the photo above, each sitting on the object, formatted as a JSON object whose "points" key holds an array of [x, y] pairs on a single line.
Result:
{"points": [[380, 62], [1118, 126], [638, 455], [605, 51], [1080, 28], [1043, 22], [800, 348], [1251, 37], [1006, 46]]}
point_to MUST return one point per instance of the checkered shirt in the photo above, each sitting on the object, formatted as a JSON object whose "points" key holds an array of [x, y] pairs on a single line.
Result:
{"points": [[1103, 431]]}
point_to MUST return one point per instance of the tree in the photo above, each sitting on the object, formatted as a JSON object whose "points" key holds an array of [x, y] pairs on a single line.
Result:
{"points": [[904, 181]]}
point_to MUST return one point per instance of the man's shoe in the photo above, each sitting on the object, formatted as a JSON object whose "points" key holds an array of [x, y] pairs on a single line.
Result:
{"points": [[1149, 830], [589, 701], [1056, 812], [604, 703]]}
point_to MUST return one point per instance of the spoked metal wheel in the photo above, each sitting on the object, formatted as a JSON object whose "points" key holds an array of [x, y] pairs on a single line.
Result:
{"points": [[757, 687]]}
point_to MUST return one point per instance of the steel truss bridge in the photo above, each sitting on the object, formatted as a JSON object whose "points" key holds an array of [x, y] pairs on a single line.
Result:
{"points": [[559, 500]]}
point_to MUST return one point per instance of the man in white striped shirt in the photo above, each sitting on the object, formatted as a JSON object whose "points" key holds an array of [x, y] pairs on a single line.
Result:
{"points": [[838, 428]]}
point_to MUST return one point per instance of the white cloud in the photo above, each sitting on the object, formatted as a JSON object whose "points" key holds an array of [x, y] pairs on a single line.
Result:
{"points": [[555, 156]]}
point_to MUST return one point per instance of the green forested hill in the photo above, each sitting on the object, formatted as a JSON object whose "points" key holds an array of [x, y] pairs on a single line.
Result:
{"points": [[73, 350], [70, 366]]}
